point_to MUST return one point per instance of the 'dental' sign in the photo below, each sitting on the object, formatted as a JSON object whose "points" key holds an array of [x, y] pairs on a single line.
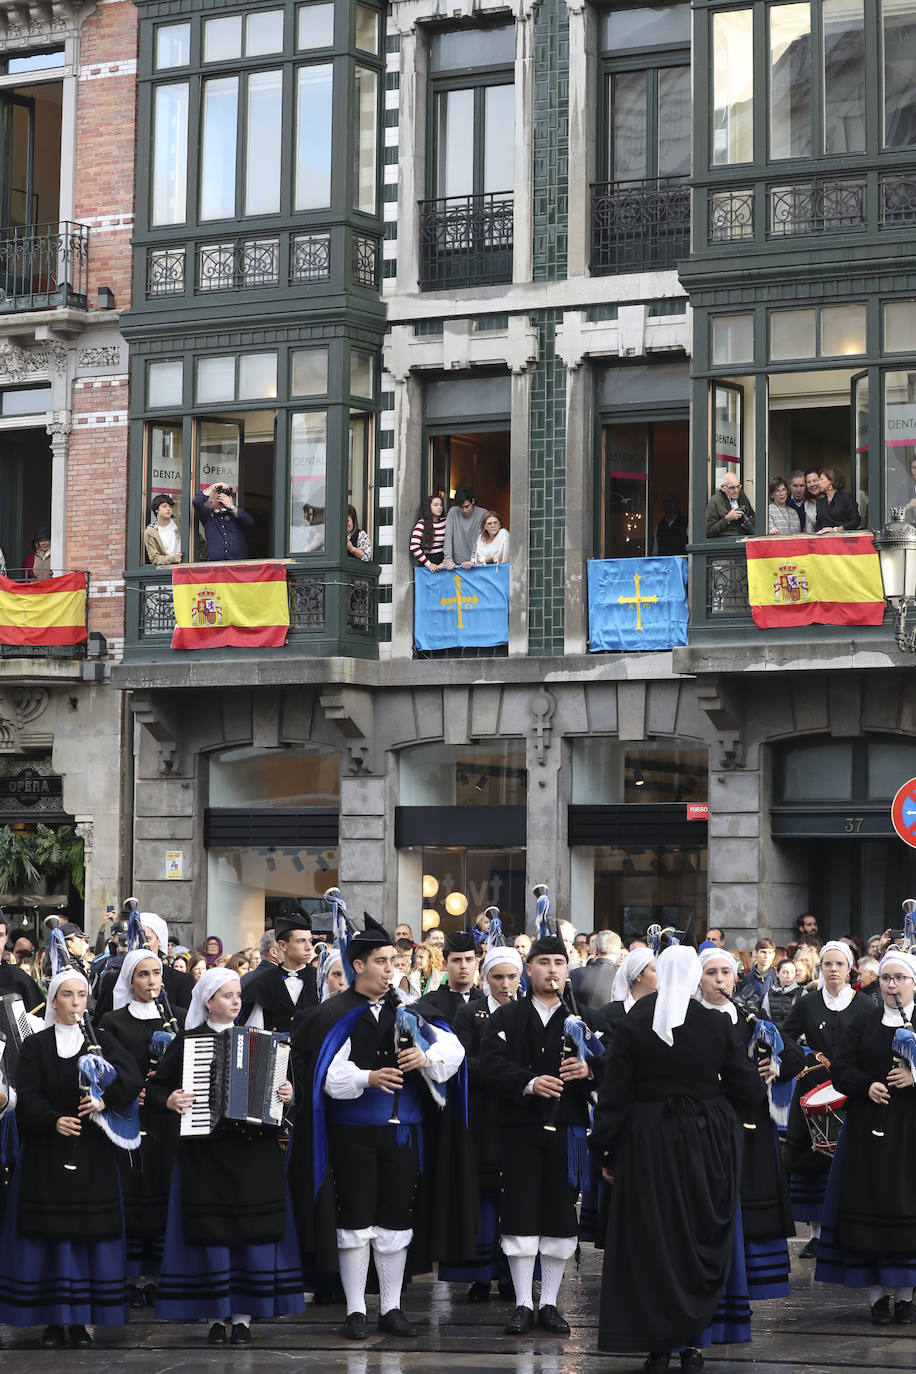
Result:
{"points": [[900, 425]]}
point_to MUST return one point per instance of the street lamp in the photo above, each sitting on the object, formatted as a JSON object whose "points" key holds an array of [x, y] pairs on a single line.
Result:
{"points": [[896, 545]]}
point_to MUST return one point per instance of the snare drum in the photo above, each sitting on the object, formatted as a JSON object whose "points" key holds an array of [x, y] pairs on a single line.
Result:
{"points": [[824, 1117]]}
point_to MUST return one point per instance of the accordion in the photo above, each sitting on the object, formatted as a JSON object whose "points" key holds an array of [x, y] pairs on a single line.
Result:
{"points": [[234, 1077], [14, 1027]]}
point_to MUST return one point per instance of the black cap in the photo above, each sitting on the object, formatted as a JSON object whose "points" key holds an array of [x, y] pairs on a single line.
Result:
{"points": [[372, 936], [548, 944], [459, 942], [296, 920], [68, 929]]}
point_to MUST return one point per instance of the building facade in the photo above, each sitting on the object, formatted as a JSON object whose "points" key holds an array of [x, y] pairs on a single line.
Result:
{"points": [[583, 260]]}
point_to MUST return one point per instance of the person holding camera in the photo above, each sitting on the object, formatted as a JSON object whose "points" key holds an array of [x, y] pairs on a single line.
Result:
{"points": [[729, 511], [224, 523]]}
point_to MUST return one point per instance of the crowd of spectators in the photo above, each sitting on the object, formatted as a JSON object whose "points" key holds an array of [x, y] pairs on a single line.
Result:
{"points": [[465, 537], [808, 503]]}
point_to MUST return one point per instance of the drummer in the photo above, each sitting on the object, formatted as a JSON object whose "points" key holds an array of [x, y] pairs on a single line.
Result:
{"points": [[869, 1235], [819, 1020]]}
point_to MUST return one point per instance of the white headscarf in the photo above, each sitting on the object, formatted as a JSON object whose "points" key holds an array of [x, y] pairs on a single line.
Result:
{"points": [[636, 962], [332, 956], [896, 956], [501, 954], [825, 949], [122, 990], [64, 976], [678, 969], [207, 984], [890, 1016], [155, 923]]}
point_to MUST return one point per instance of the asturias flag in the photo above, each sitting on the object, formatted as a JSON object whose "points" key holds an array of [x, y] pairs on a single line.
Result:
{"points": [[468, 607], [637, 603], [239, 605], [48, 612], [830, 579]]}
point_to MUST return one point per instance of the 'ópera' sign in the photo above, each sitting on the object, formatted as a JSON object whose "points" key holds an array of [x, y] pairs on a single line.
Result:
{"points": [[28, 787]]}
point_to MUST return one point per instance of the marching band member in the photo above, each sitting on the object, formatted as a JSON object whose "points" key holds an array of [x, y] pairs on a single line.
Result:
{"points": [[230, 1244], [819, 1019], [62, 1259], [502, 971], [672, 1147], [869, 1235], [461, 969], [543, 1116], [139, 1025], [766, 1215], [274, 994], [356, 1174], [635, 979]]}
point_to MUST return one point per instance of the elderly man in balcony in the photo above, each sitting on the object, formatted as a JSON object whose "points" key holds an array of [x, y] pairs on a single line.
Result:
{"points": [[224, 523], [729, 511]]}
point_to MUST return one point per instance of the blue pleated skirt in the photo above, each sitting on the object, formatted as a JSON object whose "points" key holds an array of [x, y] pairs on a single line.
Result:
{"points": [[767, 1266], [807, 1189], [855, 1268], [731, 1324], [218, 1280], [59, 1283], [488, 1261]]}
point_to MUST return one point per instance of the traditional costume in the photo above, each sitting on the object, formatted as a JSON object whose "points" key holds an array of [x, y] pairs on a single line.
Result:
{"points": [[230, 1244], [62, 1259], [273, 995], [868, 1235], [819, 1020], [542, 1169], [443, 1003], [176, 985], [141, 1027], [666, 1125], [364, 1187]]}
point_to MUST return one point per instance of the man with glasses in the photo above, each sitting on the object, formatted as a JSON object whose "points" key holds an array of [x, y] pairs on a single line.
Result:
{"points": [[729, 511], [462, 527]]}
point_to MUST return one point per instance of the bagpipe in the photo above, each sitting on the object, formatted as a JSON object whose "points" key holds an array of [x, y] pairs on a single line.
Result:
{"points": [[96, 1076], [578, 1041], [767, 1043]]}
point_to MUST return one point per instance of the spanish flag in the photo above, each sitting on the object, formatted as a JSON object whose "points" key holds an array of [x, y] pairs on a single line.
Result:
{"points": [[237, 605], [49, 612], [830, 579]]}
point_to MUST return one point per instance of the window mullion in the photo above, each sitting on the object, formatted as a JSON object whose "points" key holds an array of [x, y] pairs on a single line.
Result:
{"points": [[818, 93], [652, 122], [241, 159], [479, 117]]}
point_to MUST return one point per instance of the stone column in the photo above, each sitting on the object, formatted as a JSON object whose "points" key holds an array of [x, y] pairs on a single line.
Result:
{"points": [[582, 115], [546, 848], [408, 463], [519, 507], [734, 853], [58, 427], [580, 500], [364, 849], [523, 190], [411, 157]]}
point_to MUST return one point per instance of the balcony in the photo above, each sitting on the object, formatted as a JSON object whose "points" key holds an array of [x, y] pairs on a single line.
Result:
{"points": [[43, 266], [637, 225], [466, 240]]}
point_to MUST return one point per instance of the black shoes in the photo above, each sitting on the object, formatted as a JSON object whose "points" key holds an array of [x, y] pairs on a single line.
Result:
{"points": [[355, 1328], [810, 1250], [691, 1358], [52, 1338], [903, 1313], [550, 1320], [521, 1321], [478, 1292], [150, 1294], [881, 1311], [394, 1323], [241, 1334], [657, 1361], [80, 1338], [217, 1334]]}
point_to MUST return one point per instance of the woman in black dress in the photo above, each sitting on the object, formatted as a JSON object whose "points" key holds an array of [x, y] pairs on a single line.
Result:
{"points": [[869, 1232], [62, 1260], [819, 1020], [231, 1251], [672, 1079], [836, 509], [146, 1174]]}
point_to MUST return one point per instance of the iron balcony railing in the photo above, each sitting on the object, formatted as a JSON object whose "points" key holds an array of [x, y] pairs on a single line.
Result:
{"points": [[639, 224], [81, 650], [44, 265], [466, 240]]}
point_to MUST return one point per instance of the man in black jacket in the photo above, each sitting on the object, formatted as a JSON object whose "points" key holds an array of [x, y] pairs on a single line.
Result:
{"points": [[461, 967], [543, 1116], [273, 994]]}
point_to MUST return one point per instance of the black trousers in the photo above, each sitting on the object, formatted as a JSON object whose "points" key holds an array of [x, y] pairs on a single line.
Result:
{"points": [[536, 1198], [375, 1178]]}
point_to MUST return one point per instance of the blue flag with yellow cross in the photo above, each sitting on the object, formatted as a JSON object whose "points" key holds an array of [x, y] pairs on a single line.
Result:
{"points": [[465, 608], [637, 603]]}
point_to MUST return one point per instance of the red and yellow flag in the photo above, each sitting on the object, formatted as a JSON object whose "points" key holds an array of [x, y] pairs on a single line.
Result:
{"points": [[239, 605], [48, 612], [830, 579]]}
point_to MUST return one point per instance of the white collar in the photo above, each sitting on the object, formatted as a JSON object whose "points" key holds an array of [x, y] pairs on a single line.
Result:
{"points": [[841, 1001], [69, 1039], [628, 1002], [726, 1007], [219, 1029], [492, 1003], [892, 1016], [143, 1011]]}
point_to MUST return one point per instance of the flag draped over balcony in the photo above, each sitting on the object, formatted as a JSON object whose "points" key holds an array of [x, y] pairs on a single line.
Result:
{"points": [[833, 579], [636, 603], [466, 608], [44, 613], [236, 605]]}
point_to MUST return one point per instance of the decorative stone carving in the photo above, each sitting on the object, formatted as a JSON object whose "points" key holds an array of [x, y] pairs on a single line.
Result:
{"points": [[542, 707], [19, 706], [351, 711], [153, 713], [99, 357], [721, 704], [59, 425], [18, 364], [84, 830]]}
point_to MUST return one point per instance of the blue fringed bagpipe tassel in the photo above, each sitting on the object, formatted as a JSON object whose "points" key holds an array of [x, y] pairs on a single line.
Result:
{"points": [[341, 925], [58, 953], [779, 1096], [767, 1035], [136, 935], [496, 937], [159, 1042], [422, 1036], [905, 1047], [542, 916], [578, 1034], [96, 1076]]}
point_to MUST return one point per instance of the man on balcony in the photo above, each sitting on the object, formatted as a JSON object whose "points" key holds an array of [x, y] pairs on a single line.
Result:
{"points": [[224, 524], [729, 511]]}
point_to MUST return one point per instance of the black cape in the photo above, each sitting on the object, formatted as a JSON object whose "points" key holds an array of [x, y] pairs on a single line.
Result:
{"points": [[666, 1124], [177, 986], [443, 1005], [445, 1210], [13, 979], [265, 986], [483, 1103]]}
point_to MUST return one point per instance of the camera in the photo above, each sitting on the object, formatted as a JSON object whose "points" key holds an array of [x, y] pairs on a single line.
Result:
{"points": [[223, 490]]}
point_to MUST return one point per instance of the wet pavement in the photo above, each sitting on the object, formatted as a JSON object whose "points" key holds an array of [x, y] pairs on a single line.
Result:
{"points": [[818, 1328]]}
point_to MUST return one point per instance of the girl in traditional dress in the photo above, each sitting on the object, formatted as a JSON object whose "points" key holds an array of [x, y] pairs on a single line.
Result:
{"points": [[230, 1246], [62, 1258]]}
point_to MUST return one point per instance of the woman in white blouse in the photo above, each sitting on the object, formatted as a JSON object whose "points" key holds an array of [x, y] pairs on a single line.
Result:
{"points": [[493, 541]]}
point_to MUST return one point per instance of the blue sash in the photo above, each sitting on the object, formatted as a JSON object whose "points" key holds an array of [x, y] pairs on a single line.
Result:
{"points": [[373, 1108]]}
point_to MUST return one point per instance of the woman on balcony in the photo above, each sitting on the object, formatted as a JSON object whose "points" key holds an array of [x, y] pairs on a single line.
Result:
{"points": [[836, 509], [427, 542], [492, 542], [781, 519], [37, 564], [358, 543]]}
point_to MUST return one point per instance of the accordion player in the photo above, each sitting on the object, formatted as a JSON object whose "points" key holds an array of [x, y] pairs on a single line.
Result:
{"points": [[15, 1026], [234, 1078]]}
